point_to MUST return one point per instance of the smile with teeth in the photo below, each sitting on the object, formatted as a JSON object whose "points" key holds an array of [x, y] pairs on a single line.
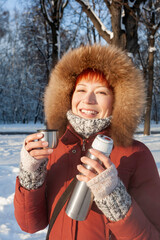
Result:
{"points": [[89, 112]]}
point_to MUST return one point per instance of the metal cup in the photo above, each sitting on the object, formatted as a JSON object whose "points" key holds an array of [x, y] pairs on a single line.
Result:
{"points": [[50, 136]]}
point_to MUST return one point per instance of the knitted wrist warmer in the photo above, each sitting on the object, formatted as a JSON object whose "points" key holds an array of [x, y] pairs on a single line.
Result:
{"points": [[104, 183], [33, 180], [32, 172], [116, 205]]}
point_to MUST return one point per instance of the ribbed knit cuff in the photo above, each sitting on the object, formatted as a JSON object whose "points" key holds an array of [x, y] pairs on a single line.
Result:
{"points": [[104, 183], [33, 180], [115, 205]]}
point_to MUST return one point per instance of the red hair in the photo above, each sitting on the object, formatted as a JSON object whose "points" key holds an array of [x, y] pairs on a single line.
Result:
{"points": [[92, 76]]}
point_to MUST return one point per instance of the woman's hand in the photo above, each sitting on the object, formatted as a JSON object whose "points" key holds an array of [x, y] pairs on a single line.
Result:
{"points": [[37, 149], [97, 167]]}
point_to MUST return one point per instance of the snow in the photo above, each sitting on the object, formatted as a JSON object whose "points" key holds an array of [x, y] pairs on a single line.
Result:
{"points": [[155, 26], [10, 146], [158, 9], [130, 54], [30, 127], [152, 49]]}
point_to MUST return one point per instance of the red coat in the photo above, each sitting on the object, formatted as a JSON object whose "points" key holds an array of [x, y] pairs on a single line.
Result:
{"points": [[137, 170]]}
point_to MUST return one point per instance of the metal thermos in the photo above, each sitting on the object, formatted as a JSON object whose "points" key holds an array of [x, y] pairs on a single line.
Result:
{"points": [[81, 198]]}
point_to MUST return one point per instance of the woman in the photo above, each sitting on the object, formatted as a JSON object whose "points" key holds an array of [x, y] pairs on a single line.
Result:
{"points": [[92, 90]]}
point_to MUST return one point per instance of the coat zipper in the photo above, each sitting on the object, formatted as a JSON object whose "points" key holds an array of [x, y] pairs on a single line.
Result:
{"points": [[110, 235], [84, 145]]}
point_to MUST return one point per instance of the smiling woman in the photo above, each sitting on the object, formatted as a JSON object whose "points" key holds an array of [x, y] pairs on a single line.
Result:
{"points": [[92, 90]]}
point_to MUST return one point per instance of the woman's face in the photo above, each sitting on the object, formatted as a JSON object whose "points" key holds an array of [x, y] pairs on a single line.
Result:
{"points": [[92, 100]]}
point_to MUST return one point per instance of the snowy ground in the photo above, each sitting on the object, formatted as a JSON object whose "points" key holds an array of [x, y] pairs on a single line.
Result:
{"points": [[10, 146]]}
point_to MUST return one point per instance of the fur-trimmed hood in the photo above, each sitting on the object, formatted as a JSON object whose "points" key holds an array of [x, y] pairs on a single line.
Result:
{"points": [[127, 82]]}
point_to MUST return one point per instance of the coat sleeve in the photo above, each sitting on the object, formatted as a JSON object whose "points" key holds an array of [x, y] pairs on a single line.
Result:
{"points": [[30, 208], [143, 219]]}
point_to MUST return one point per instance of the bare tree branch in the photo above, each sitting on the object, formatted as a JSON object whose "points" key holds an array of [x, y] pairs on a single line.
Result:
{"points": [[45, 13], [108, 4], [157, 27], [102, 30]]}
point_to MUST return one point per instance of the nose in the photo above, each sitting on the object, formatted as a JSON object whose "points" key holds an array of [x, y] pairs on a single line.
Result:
{"points": [[90, 98]]}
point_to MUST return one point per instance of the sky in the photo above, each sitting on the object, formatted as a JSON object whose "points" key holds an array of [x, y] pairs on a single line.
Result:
{"points": [[11, 4]]}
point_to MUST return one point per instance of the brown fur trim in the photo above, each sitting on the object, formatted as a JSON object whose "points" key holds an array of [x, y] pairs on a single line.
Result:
{"points": [[126, 80]]}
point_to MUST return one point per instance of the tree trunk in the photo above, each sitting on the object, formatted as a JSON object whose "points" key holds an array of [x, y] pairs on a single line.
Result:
{"points": [[53, 19], [156, 109], [130, 21], [119, 38], [150, 78], [149, 94], [55, 32]]}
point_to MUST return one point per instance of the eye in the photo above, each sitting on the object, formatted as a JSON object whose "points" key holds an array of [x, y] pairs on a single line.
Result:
{"points": [[102, 92], [80, 90]]}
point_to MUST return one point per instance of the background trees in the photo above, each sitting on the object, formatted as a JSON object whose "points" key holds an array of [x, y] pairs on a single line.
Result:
{"points": [[126, 20], [45, 29]]}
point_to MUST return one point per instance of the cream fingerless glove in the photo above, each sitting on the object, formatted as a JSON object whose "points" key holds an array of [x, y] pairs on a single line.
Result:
{"points": [[110, 194], [29, 163], [104, 183], [32, 171]]}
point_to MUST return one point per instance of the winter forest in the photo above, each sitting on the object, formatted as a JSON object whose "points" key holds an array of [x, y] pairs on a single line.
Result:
{"points": [[34, 36]]}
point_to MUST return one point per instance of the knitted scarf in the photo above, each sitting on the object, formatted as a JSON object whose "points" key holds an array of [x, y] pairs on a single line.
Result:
{"points": [[87, 127]]}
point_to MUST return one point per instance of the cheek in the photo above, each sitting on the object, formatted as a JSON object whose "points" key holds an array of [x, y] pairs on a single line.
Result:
{"points": [[74, 102], [107, 105]]}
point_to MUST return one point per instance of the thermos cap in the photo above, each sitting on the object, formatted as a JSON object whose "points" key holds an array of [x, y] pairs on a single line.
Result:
{"points": [[103, 144]]}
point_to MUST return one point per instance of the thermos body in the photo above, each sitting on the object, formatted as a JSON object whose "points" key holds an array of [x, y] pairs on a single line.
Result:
{"points": [[80, 202], [81, 198]]}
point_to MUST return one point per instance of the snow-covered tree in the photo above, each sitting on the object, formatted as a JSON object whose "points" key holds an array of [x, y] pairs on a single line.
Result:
{"points": [[126, 18], [150, 18]]}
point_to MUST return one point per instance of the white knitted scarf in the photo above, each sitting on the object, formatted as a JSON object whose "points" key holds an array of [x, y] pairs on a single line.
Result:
{"points": [[87, 127]]}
